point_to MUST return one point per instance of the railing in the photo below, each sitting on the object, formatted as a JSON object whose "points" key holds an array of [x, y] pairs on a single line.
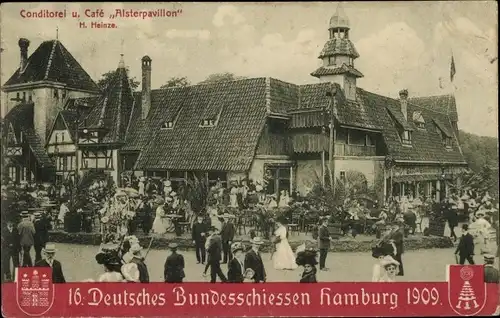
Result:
{"points": [[354, 150]]}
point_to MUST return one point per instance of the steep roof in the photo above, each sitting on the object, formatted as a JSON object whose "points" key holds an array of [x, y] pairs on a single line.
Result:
{"points": [[21, 116], [426, 145], [339, 46], [444, 104], [229, 146], [113, 109], [51, 61]]}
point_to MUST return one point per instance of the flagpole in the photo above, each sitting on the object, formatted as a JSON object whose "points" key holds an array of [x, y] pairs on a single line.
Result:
{"points": [[453, 88]]}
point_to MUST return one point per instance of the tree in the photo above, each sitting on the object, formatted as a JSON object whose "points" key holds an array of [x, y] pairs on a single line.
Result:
{"points": [[221, 77], [176, 82], [106, 79]]}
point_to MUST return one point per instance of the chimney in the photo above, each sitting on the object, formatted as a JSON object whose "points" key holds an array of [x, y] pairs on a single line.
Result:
{"points": [[403, 98], [146, 86], [23, 46]]}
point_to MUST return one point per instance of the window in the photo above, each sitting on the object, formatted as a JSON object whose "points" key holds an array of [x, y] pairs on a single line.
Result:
{"points": [[217, 176], [357, 137], [168, 125], [406, 137], [21, 137], [12, 173], [177, 178], [56, 93], [24, 96], [30, 98], [208, 123], [342, 175], [278, 179], [64, 93], [418, 119], [17, 96], [332, 60], [447, 142]]}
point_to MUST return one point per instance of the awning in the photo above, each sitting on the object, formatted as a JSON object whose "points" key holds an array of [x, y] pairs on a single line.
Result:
{"points": [[420, 177]]}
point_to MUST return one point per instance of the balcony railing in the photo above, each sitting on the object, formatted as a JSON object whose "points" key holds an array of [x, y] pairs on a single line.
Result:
{"points": [[354, 150]]}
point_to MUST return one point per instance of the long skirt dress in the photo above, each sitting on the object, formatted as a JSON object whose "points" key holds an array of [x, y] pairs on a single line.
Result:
{"points": [[283, 258]]}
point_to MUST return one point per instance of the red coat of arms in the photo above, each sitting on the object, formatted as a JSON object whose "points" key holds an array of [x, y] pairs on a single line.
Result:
{"points": [[466, 289], [34, 290]]}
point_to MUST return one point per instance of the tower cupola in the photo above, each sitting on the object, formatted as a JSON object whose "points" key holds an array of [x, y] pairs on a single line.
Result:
{"points": [[338, 56]]}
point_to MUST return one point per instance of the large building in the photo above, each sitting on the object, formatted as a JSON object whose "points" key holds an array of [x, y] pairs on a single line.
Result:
{"points": [[58, 122]]}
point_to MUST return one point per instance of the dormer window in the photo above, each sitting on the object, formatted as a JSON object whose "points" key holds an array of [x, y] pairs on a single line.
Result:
{"points": [[332, 60], [405, 137], [168, 125], [208, 123], [447, 142], [419, 120]]}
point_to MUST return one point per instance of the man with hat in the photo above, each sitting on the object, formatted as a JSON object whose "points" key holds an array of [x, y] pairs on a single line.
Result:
{"points": [[174, 266], [465, 248], [138, 259], [236, 266], [490, 272], [227, 236], [41, 237], [199, 235], [49, 261], [324, 243], [10, 249], [26, 231], [253, 260], [214, 255]]}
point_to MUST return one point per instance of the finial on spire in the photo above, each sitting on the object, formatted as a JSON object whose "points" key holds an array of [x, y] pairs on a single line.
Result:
{"points": [[122, 62], [57, 32]]}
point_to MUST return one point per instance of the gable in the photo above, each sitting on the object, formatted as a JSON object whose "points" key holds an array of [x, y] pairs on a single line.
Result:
{"points": [[51, 61]]}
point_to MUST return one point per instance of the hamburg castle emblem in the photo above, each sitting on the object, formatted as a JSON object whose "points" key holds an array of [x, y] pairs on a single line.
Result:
{"points": [[35, 290]]}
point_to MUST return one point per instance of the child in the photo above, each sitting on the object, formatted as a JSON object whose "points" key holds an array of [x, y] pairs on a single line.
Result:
{"points": [[248, 276]]}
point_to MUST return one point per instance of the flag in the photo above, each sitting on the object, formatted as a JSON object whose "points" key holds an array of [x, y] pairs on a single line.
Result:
{"points": [[452, 69]]}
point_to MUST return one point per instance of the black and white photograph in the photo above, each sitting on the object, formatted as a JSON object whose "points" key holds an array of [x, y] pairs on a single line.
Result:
{"points": [[243, 142]]}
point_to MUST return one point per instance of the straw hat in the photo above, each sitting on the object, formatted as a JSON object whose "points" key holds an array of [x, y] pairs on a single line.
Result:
{"points": [[50, 248], [37, 215], [488, 258], [480, 213], [257, 241], [388, 260], [24, 214], [136, 250], [173, 245]]}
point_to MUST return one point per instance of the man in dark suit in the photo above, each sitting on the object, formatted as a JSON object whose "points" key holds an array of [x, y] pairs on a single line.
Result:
{"points": [[490, 272], [397, 235], [199, 234], [214, 255], [324, 243], [41, 237], [10, 249], [26, 231], [253, 260], [236, 266], [174, 266], [227, 235], [49, 261], [465, 248]]}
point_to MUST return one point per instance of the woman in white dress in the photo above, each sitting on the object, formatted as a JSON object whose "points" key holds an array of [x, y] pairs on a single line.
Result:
{"points": [[283, 258], [480, 230], [158, 223]]}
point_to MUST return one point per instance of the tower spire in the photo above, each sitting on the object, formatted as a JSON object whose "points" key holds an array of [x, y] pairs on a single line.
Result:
{"points": [[122, 61], [57, 33]]}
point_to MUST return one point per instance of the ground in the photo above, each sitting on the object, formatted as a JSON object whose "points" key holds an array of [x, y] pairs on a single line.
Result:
{"points": [[78, 264]]}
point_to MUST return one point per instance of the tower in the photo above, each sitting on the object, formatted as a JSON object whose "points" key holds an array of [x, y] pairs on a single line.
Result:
{"points": [[338, 56]]}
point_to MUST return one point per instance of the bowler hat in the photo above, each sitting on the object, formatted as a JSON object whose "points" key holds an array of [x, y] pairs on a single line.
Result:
{"points": [[37, 215], [489, 258], [24, 214]]}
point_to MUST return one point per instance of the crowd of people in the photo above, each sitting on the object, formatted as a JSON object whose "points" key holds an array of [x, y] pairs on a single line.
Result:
{"points": [[158, 209]]}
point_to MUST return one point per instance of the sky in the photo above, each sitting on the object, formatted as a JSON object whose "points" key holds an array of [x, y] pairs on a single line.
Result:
{"points": [[401, 45]]}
